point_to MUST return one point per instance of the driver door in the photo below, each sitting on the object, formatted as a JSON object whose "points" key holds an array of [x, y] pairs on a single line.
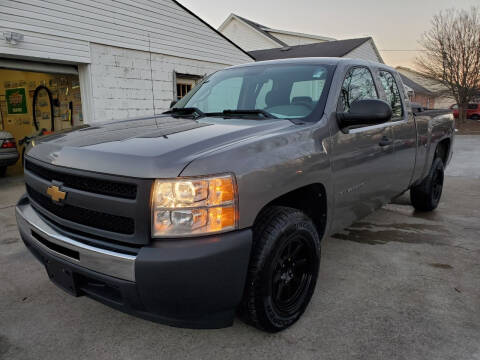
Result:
{"points": [[362, 157]]}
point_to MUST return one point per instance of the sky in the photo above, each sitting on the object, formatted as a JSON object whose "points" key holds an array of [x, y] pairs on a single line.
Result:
{"points": [[394, 25]]}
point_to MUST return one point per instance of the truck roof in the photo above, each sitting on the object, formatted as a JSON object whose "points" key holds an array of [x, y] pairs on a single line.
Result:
{"points": [[318, 60]]}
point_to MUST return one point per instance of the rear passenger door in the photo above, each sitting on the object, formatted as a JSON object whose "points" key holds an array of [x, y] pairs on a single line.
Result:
{"points": [[362, 157], [404, 131]]}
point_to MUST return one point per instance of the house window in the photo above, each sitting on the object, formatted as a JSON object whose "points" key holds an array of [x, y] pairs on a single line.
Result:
{"points": [[183, 89], [184, 83]]}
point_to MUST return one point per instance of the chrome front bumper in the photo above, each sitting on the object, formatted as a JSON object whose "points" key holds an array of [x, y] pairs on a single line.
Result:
{"points": [[195, 283], [121, 266]]}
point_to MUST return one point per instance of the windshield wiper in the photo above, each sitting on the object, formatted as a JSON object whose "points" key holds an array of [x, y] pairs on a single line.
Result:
{"points": [[230, 113], [186, 111], [197, 113]]}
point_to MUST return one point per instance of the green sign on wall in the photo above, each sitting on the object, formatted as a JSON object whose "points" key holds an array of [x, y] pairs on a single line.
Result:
{"points": [[16, 101]]}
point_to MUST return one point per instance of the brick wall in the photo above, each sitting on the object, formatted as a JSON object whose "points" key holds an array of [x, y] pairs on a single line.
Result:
{"points": [[425, 101], [121, 81]]}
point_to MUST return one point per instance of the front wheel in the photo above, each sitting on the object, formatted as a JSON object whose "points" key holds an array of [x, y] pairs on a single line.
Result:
{"points": [[3, 171], [426, 195], [283, 269], [475, 117]]}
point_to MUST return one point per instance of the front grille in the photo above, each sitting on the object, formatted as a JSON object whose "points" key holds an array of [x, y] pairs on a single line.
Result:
{"points": [[91, 218], [97, 186]]}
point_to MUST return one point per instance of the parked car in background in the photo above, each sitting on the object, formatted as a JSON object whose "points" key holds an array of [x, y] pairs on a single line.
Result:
{"points": [[473, 111], [8, 151], [219, 205]]}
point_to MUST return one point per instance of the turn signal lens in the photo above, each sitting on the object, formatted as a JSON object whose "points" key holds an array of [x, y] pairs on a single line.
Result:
{"points": [[221, 218], [187, 207]]}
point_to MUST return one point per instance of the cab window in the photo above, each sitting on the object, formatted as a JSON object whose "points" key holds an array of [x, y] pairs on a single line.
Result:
{"points": [[392, 93], [358, 85]]}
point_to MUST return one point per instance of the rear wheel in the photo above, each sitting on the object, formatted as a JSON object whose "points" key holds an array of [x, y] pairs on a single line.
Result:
{"points": [[283, 269], [426, 196], [3, 171], [475, 117]]}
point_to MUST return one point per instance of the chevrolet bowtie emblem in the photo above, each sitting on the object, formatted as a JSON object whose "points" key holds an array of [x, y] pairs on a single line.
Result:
{"points": [[56, 194]]}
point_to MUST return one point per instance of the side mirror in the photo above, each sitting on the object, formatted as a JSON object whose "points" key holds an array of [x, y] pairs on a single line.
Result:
{"points": [[173, 103], [365, 112]]}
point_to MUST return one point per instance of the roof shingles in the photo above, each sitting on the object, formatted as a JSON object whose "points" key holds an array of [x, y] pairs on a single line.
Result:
{"points": [[337, 48]]}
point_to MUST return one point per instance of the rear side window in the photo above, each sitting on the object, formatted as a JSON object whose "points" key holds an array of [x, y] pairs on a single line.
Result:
{"points": [[393, 94], [358, 85]]}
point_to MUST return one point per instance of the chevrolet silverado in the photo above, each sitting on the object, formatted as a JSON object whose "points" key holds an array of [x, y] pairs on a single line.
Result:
{"points": [[218, 206]]}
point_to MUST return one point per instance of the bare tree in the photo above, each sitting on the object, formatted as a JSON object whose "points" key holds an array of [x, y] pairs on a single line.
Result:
{"points": [[452, 55]]}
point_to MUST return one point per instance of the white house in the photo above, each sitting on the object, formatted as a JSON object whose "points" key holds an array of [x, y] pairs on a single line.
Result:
{"points": [[265, 43], [124, 58], [439, 93], [251, 36]]}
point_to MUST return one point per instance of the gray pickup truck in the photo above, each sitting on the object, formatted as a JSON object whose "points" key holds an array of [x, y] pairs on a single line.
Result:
{"points": [[218, 207]]}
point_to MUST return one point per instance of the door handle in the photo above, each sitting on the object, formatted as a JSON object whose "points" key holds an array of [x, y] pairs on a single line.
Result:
{"points": [[386, 141]]}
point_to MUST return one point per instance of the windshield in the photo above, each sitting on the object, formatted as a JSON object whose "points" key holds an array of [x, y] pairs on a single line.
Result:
{"points": [[285, 91]]}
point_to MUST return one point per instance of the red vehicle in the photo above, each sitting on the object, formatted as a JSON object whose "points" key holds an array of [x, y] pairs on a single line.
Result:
{"points": [[473, 111]]}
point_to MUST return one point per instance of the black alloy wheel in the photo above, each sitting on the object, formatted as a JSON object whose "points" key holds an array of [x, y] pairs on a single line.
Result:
{"points": [[292, 272], [426, 195], [437, 184], [283, 269]]}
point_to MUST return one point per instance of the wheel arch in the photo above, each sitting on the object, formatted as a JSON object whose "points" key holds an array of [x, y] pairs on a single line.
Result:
{"points": [[443, 150], [311, 199]]}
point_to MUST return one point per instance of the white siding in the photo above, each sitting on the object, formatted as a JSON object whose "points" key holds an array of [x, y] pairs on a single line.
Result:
{"points": [[120, 81], [49, 47], [293, 40], [366, 51], [58, 29], [441, 102], [246, 37], [444, 102]]}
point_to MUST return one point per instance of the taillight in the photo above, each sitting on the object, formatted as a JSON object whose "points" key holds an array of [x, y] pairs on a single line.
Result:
{"points": [[9, 144]]}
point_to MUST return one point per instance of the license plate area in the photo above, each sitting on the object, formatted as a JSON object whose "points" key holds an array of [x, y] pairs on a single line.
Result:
{"points": [[62, 277]]}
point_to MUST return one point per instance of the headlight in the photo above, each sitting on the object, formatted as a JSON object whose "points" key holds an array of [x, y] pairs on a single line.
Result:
{"points": [[194, 206]]}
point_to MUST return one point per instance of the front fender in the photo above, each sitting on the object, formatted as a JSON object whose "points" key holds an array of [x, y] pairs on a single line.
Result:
{"points": [[271, 165]]}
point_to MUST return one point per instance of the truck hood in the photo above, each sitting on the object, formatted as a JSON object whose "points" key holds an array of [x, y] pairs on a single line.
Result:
{"points": [[158, 147]]}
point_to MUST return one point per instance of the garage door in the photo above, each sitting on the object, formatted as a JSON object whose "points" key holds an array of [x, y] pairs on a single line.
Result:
{"points": [[38, 98]]}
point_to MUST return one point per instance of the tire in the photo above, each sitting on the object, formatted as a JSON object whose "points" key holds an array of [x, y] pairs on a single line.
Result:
{"points": [[3, 171], [283, 269], [426, 195], [475, 117]]}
